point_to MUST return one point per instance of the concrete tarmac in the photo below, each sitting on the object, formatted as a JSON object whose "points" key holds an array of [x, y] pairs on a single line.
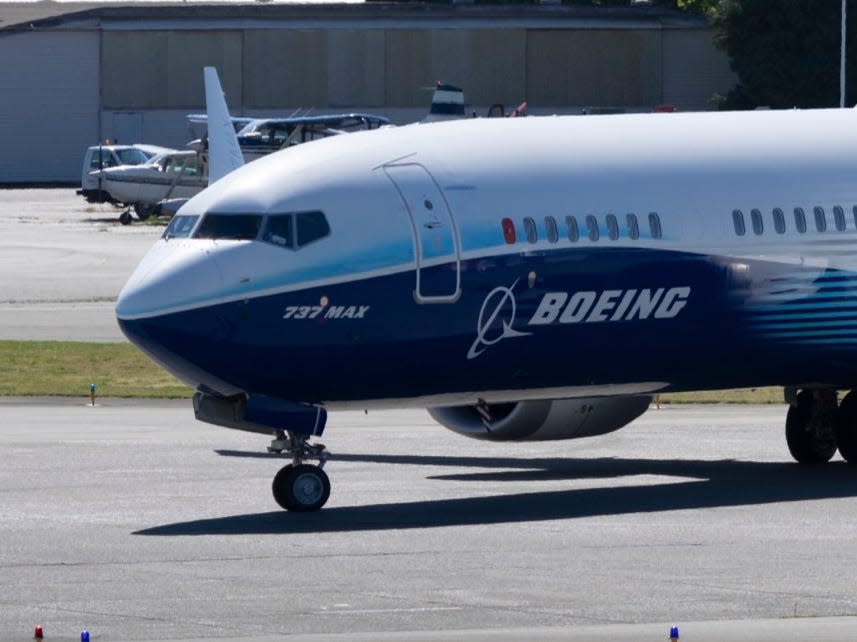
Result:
{"points": [[135, 522], [62, 264]]}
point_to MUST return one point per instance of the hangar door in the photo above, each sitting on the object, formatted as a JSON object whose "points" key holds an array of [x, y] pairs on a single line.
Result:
{"points": [[49, 84]]}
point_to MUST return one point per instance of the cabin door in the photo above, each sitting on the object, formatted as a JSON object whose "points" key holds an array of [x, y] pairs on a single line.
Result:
{"points": [[436, 240]]}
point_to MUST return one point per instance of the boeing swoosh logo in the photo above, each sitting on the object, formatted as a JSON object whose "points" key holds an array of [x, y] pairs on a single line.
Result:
{"points": [[499, 300]]}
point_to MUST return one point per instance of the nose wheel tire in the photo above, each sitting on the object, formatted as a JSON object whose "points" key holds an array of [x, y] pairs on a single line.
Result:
{"points": [[301, 488]]}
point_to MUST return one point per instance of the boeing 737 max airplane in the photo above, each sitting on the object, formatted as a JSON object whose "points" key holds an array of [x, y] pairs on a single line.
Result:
{"points": [[524, 279]]}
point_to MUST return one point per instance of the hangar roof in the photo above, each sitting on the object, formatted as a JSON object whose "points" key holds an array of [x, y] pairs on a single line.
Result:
{"points": [[47, 15]]}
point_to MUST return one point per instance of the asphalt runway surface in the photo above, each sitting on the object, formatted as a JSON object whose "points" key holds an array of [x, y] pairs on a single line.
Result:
{"points": [[135, 522], [63, 262]]}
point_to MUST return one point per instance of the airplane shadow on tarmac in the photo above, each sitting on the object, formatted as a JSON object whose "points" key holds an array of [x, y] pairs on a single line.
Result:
{"points": [[713, 484]]}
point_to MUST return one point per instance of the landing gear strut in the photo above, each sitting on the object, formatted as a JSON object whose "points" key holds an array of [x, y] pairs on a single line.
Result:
{"points": [[300, 487], [810, 426]]}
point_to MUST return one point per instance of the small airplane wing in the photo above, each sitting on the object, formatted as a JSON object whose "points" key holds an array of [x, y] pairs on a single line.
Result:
{"points": [[224, 154]]}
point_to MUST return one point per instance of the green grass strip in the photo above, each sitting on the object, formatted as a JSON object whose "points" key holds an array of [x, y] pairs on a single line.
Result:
{"points": [[771, 395], [66, 368]]}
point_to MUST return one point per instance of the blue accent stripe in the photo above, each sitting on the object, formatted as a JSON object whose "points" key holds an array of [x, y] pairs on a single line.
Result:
{"points": [[803, 305], [812, 333], [822, 294], [776, 316], [809, 326]]}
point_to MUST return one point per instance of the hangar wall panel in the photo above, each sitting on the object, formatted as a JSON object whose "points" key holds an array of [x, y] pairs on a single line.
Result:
{"points": [[163, 69], [168, 128], [694, 69], [50, 107], [355, 71], [449, 60], [285, 68], [499, 67], [594, 67], [488, 64], [408, 69]]}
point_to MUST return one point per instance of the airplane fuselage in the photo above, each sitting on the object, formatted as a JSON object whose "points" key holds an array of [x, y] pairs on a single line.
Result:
{"points": [[534, 258]]}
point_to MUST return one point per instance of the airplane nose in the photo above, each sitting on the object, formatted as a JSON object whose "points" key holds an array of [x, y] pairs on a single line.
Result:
{"points": [[172, 277], [162, 310]]}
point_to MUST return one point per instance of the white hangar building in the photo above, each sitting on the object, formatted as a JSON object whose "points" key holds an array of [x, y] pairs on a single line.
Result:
{"points": [[72, 74]]}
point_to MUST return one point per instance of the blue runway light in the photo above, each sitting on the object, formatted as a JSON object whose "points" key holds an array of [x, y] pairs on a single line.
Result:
{"points": [[84, 636], [673, 633]]}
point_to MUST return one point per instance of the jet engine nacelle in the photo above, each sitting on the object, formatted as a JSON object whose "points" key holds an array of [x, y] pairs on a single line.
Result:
{"points": [[541, 420]]}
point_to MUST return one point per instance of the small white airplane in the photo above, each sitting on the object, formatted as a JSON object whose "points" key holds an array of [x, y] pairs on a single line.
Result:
{"points": [[172, 174], [524, 279]]}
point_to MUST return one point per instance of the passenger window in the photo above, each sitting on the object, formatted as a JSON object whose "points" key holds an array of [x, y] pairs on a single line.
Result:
{"points": [[633, 226], [550, 226], [738, 222], [612, 227], [279, 230], [574, 231], [820, 220], [756, 219], [509, 234], [180, 227], [592, 228], [655, 225], [779, 221], [839, 218], [530, 230], [236, 227], [312, 226], [854, 212], [800, 220]]}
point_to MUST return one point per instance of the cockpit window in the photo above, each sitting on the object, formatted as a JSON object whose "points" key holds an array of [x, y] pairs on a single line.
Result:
{"points": [[311, 227], [295, 230], [237, 227], [279, 230], [180, 227]]}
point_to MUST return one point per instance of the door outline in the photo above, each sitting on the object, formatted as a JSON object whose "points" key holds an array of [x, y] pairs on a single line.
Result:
{"points": [[428, 227]]}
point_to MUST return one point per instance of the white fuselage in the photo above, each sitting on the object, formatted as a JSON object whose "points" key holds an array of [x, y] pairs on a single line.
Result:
{"points": [[451, 245]]}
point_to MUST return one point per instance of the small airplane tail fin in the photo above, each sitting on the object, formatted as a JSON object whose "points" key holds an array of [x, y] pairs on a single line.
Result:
{"points": [[447, 103], [224, 154]]}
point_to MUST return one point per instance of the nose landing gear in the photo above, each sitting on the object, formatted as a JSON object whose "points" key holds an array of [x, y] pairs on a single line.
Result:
{"points": [[300, 487]]}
